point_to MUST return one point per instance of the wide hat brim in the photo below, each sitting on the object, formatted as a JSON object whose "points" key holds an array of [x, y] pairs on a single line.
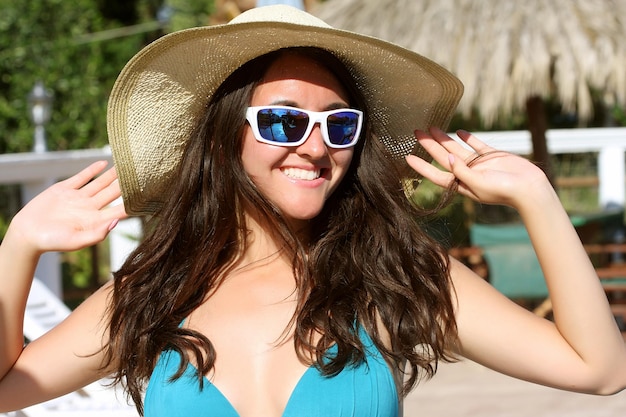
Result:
{"points": [[163, 90]]}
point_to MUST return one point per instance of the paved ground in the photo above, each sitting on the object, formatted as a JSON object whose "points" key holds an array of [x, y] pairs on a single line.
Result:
{"points": [[466, 389]]}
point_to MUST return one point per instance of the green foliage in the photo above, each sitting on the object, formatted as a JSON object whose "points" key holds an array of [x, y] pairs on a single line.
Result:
{"points": [[189, 13], [448, 224], [76, 49], [582, 198], [619, 115], [39, 40], [3, 227], [48, 40], [9, 204]]}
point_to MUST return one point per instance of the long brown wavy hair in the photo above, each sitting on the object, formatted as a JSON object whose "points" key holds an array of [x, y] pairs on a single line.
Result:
{"points": [[367, 260]]}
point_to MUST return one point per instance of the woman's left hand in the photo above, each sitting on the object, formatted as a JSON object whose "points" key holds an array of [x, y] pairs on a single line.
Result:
{"points": [[484, 173]]}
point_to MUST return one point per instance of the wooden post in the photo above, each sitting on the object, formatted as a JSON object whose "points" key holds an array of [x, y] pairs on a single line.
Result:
{"points": [[538, 125]]}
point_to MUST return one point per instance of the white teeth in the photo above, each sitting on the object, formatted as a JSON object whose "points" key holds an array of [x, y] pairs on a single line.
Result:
{"points": [[301, 174]]}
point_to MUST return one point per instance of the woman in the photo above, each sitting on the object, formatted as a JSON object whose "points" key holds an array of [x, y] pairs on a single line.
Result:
{"points": [[284, 271]]}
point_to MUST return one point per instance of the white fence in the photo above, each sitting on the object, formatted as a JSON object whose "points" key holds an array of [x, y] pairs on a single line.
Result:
{"points": [[609, 143], [35, 171]]}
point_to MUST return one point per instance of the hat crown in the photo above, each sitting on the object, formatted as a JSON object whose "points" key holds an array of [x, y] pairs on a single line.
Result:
{"points": [[279, 13]]}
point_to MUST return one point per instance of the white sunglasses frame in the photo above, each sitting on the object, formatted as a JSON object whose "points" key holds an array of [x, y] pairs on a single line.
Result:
{"points": [[315, 117]]}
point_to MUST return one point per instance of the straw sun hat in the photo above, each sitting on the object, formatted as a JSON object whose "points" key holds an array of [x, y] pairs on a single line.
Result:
{"points": [[163, 90]]}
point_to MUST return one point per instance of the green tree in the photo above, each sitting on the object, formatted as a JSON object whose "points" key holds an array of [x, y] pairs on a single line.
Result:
{"points": [[189, 13], [45, 40]]}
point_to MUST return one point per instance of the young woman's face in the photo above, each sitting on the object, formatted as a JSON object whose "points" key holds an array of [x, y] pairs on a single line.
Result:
{"points": [[299, 179]]}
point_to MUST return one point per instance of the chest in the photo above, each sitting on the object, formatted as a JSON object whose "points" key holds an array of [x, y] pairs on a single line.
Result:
{"points": [[248, 323], [257, 371], [367, 389]]}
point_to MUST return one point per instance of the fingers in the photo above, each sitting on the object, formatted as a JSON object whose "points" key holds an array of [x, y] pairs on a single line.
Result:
{"points": [[429, 171], [460, 170], [98, 193], [101, 189], [472, 141], [100, 182], [83, 177], [436, 144], [450, 154], [106, 192], [117, 212], [95, 225], [89, 181]]}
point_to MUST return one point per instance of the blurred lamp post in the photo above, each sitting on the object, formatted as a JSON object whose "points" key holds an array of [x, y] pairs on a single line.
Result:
{"points": [[40, 106]]}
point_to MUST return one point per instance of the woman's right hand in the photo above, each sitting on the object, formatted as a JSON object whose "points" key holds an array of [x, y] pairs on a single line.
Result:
{"points": [[71, 214]]}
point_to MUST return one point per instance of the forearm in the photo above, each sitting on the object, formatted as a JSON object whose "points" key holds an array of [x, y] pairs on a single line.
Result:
{"points": [[581, 312], [17, 265]]}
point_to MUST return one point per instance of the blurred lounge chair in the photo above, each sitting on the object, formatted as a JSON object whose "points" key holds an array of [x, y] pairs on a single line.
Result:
{"points": [[513, 267]]}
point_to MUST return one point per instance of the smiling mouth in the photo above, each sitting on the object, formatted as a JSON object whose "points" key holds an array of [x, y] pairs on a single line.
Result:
{"points": [[302, 174]]}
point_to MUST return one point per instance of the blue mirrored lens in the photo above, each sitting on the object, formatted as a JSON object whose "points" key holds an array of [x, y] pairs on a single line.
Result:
{"points": [[342, 127], [282, 125]]}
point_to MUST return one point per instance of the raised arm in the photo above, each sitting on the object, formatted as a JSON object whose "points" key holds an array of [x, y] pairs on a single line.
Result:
{"points": [[583, 349], [69, 215]]}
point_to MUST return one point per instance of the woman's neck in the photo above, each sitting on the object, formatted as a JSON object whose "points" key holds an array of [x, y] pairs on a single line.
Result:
{"points": [[262, 243]]}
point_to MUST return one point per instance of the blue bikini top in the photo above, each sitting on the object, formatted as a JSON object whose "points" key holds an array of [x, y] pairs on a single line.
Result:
{"points": [[367, 389]]}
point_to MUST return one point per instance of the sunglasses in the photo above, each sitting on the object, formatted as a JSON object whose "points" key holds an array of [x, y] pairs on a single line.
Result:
{"points": [[290, 126]]}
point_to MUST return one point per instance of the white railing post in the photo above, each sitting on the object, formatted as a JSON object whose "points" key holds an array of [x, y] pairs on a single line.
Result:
{"points": [[612, 176], [123, 239], [49, 265]]}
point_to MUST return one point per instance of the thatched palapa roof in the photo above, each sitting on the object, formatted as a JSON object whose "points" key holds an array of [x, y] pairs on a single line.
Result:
{"points": [[505, 51]]}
